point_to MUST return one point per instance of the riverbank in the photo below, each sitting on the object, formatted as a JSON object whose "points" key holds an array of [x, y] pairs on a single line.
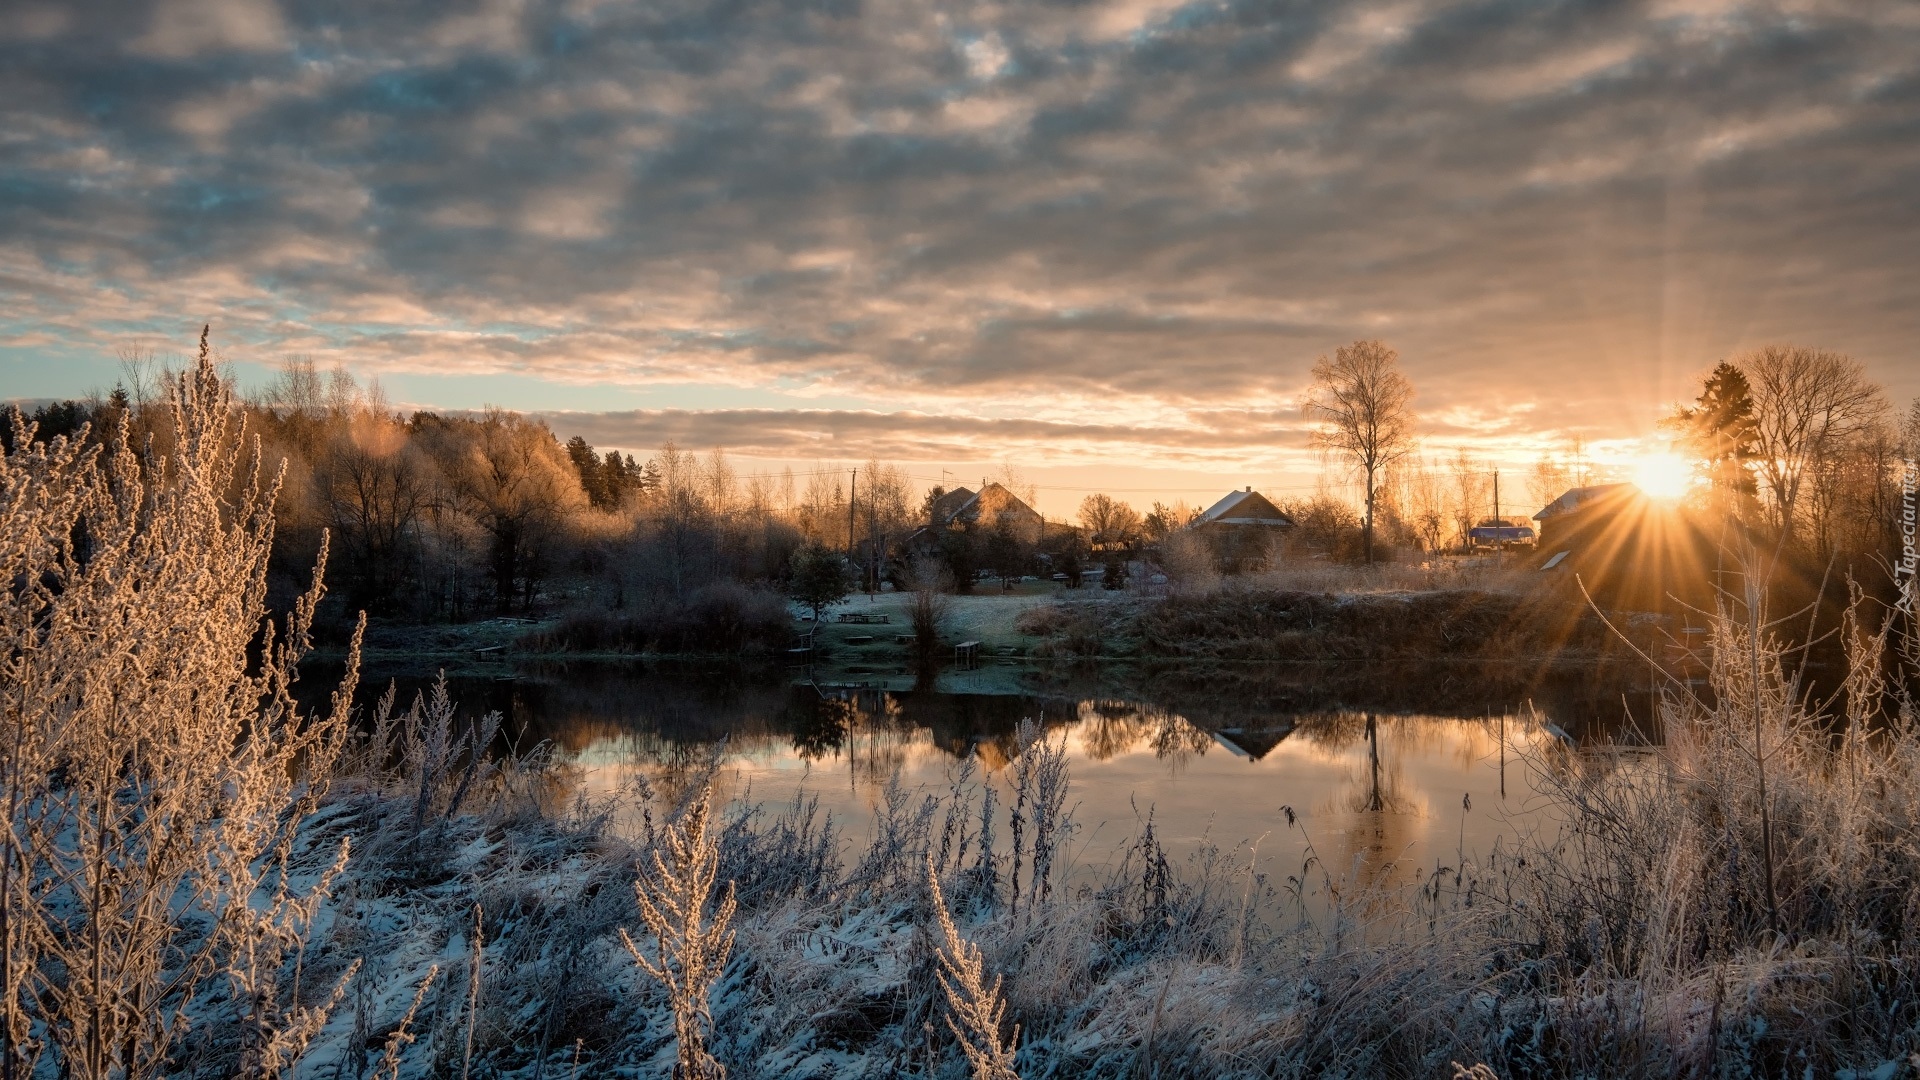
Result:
{"points": [[1459, 649]]}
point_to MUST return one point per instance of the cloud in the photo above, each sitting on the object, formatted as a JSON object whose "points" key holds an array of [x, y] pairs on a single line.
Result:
{"points": [[1218, 436], [1557, 212], [186, 28]]}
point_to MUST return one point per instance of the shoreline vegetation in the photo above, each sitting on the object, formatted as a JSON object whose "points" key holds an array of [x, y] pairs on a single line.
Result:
{"points": [[199, 876]]}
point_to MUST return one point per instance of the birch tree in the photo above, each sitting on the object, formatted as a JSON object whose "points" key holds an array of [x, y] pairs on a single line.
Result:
{"points": [[1364, 409]]}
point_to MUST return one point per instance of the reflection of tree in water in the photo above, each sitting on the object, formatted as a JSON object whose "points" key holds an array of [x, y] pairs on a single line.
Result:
{"points": [[1383, 819], [821, 731], [1108, 729], [878, 742], [670, 766]]}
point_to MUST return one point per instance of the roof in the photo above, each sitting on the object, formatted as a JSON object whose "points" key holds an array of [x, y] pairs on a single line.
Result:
{"points": [[1575, 498], [1252, 745], [946, 506], [1247, 507], [995, 499]]}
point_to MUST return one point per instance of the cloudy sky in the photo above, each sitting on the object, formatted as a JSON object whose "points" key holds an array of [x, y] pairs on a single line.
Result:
{"points": [[1100, 239]]}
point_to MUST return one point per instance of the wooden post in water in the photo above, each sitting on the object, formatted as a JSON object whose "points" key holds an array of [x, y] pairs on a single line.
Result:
{"points": [[1503, 753]]}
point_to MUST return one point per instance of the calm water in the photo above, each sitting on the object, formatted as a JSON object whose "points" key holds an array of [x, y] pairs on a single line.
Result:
{"points": [[1374, 793]]}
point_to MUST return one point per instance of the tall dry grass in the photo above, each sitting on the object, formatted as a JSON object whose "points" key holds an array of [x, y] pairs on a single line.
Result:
{"points": [[154, 767], [691, 933]]}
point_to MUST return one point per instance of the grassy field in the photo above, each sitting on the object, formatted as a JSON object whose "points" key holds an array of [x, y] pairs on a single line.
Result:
{"points": [[989, 616]]}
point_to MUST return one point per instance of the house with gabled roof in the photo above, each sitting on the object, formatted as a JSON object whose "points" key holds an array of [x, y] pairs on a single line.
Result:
{"points": [[1245, 507], [1243, 529], [978, 513], [993, 508]]}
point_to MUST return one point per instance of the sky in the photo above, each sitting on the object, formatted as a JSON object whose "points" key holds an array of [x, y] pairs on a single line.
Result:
{"points": [[1101, 241]]}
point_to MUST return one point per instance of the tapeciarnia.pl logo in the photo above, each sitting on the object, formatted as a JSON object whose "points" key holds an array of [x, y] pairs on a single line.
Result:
{"points": [[1903, 571]]}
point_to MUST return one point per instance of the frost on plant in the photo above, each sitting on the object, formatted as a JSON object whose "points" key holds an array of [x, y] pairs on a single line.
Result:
{"points": [[690, 947], [151, 777], [975, 1007]]}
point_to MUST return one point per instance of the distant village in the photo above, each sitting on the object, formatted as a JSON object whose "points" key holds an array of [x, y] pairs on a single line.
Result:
{"points": [[991, 534]]}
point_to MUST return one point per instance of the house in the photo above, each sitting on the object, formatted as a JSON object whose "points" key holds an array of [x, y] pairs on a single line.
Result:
{"points": [[994, 508], [1242, 529], [1574, 500], [1628, 551], [962, 526]]}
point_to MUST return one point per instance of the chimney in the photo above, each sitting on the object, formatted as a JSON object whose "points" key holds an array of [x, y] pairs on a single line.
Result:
{"points": [[1249, 489]]}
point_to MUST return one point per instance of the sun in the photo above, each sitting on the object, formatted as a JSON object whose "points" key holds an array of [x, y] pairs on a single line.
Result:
{"points": [[1663, 476]]}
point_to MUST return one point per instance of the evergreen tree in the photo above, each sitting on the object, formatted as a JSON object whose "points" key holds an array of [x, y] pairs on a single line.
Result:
{"points": [[1720, 431], [616, 479], [592, 477], [818, 578]]}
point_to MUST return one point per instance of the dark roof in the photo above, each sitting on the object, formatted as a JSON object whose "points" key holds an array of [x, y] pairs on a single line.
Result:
{"points": [[946, 506], [1580, 497]]}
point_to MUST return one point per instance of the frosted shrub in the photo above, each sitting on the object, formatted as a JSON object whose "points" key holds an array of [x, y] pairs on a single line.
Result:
{"points": [[975, 1007], [151, 777], [690, 946]]}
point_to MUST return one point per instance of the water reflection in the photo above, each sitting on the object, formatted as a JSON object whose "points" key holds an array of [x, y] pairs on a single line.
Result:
{"points": [[1377, 796]]}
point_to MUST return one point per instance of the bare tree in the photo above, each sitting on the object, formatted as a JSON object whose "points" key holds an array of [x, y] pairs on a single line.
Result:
{"points": [[1364, 407], [1108, 520], [512, 478], [374, 486], [1807, 402], [1548, 480]]}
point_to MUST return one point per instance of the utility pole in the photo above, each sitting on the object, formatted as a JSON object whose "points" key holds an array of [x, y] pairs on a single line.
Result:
{"points": [[853, 500], [1499, 524]]}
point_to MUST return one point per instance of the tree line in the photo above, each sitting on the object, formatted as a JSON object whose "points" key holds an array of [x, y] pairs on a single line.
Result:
{"points": [[433, 516]]}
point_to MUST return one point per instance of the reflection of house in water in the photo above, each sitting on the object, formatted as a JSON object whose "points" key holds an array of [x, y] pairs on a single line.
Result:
{"points": [[1251, 743]]}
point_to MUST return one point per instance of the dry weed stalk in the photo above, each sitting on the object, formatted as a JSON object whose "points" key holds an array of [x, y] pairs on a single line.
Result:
{"points": [[390, 1058], [1040, 785], [155, 768], [690, 947], [975, 1008]]}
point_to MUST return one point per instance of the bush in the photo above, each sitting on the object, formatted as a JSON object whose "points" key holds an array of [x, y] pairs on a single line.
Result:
{"points": [[589, 632], [726, 617], [157, 770]]}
